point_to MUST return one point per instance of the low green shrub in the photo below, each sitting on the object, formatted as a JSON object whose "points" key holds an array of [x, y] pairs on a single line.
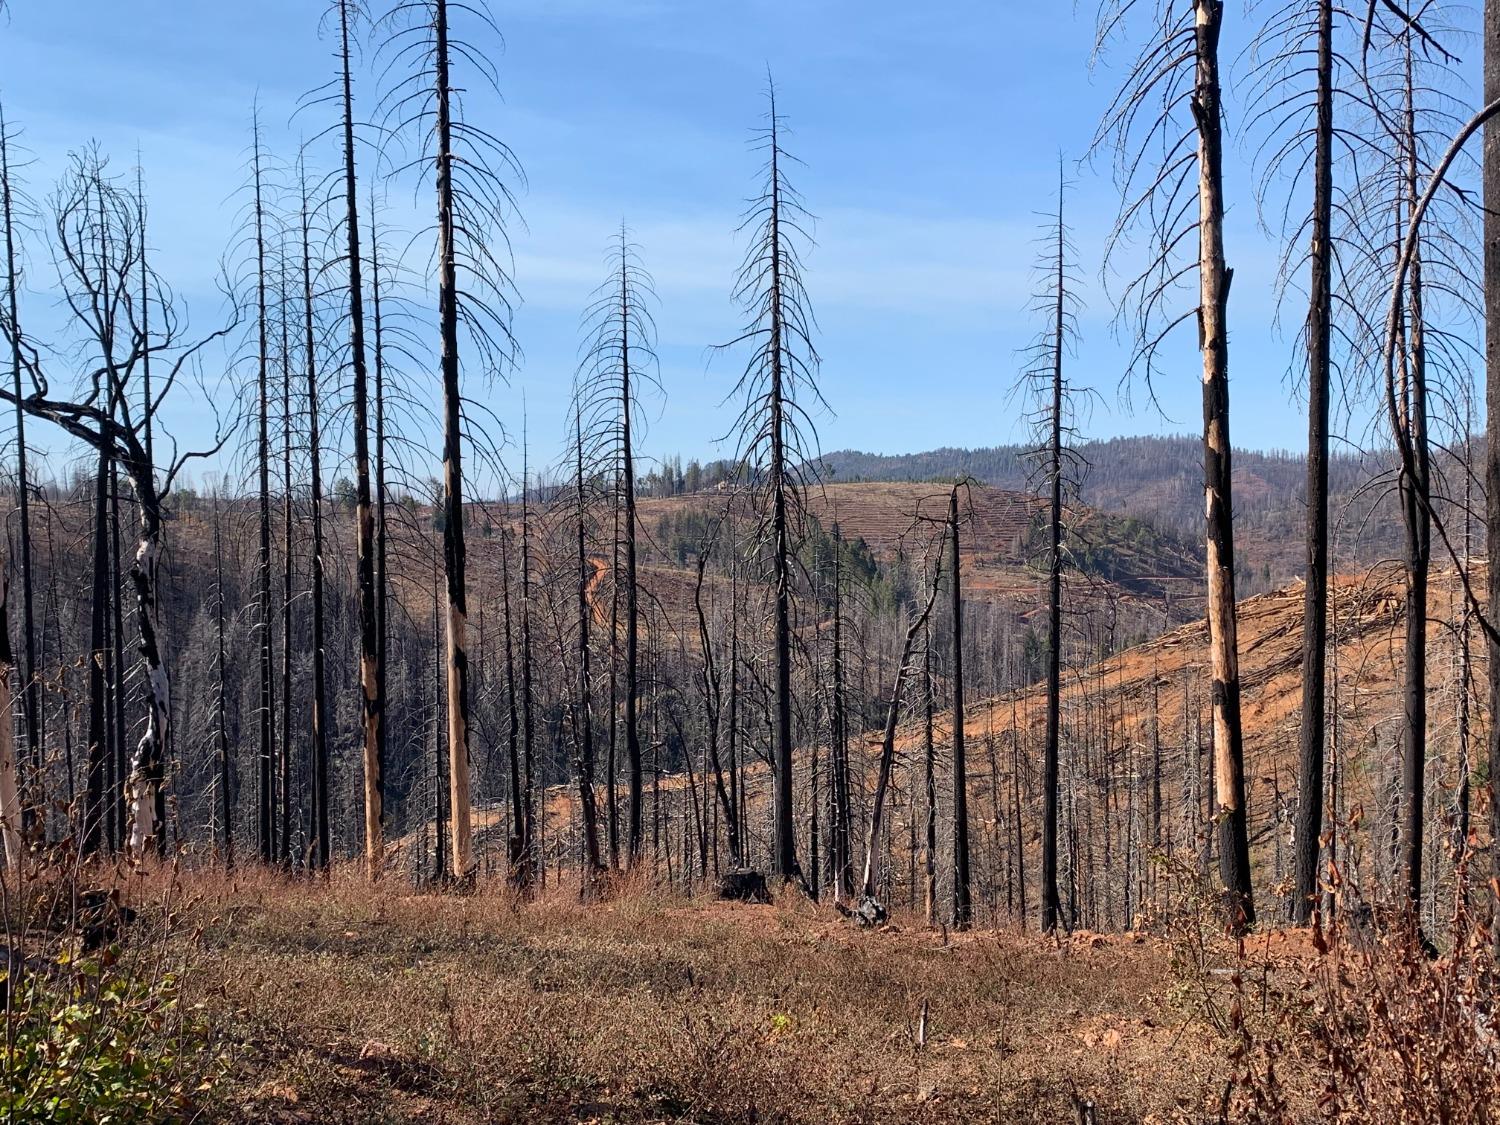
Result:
{"points": [[91, 1043]]}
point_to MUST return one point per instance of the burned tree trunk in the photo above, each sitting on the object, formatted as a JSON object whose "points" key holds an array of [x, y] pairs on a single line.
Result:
{"points": [[1214, 280], [774, 435], [929, 776], [843, 859], [583, 710], [1309, 827], [266, 795], [10, 791], [322, 842], [1491, 211], [1416, 506], [225, 767], [30, 682], [1159, 146], [868, 887], [371, 670], [963, 904], [94, 834], [457, 619]]}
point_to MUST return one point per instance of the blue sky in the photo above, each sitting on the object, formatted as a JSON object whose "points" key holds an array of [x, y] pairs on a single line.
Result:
{"points": [[930, 133]]}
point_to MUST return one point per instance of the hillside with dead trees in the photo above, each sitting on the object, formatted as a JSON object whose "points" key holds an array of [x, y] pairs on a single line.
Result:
{"points": [[653, 562]]}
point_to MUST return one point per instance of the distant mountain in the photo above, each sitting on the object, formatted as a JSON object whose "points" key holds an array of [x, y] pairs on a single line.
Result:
{"points": [[1160, 480]]}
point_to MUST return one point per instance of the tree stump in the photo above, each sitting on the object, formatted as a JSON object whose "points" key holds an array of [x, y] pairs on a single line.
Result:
{"points": [[744, 885]]}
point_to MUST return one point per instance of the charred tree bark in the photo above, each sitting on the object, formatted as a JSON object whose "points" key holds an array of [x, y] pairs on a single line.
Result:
{"points": [[266, 795], [30, 682], [583, 706], [1490, 168], [929, 775], [1415, 487], [10, 790], [288, 567], [371, 670], [529, 853], [635, 796], [96, 796], [963, 903], [868, 884], [713, 705], [225, 767], [843, 859], [116, 675], [322, 841], [1214, 282], [457, 619], [1309, 826]]}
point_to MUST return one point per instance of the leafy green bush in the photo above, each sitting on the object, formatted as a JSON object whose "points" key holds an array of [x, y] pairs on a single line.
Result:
{"points": [[90, 1045]]}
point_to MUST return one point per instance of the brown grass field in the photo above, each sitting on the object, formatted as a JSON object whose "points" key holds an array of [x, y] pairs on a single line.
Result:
{"points": [[342, 1003], [310, 1001]]}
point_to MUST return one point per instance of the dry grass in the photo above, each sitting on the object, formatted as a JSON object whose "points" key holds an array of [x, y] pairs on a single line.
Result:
{"points": [[305, 1001], [336, 1003]]}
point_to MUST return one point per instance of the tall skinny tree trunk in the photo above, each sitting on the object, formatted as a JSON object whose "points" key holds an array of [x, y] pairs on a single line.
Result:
{"points": [[1491, 212], [117, 682], [457, 620], [963, 903], [288, 570], [632, 591], [1309, 826], [785, 853], [1214, 282], [322, 841], [868, 884], [843, 859], [10, 790], [583, 705], [144, 788], [226, 796], [529, 852], [96, 797], [929, 775], [1416, 500], [371, 666], [516, 851], [30, 684], [262, 457], [1051, 903]]}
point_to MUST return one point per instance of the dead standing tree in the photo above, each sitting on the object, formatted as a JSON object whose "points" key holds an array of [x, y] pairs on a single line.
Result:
{"points": [[869, 908], [468, 166], [619, 363], [1053, 403], [322, 841], [963, 904], [1491, 275], [259, 248], [1427, 346], [97, 249], [582, 709], [347, 14], [10, 207], [776, 435], [1166, 125], [1304, 114]]}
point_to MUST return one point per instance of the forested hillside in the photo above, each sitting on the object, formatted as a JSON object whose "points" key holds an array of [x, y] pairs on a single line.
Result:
{"points": [[1158, 480]]}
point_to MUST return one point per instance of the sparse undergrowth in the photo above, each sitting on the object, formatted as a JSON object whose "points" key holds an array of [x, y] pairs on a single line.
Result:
{"points": [[336, 1004], [291, 1000]]}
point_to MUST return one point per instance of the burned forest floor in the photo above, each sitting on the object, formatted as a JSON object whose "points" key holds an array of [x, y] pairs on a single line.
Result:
{"points": [[264, 998], [296, 1000], [343, 1005]]}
